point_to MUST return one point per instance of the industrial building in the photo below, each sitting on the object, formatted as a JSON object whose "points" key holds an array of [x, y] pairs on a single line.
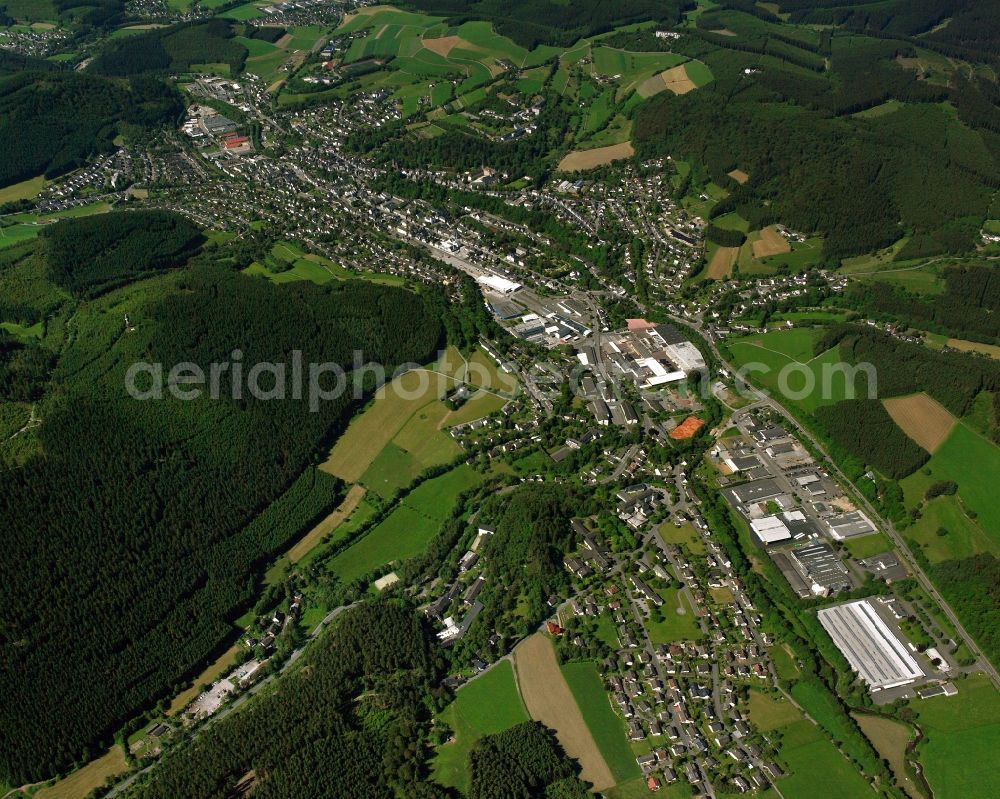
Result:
{"points": [[823, 571], [870, 646], [850, 525]]}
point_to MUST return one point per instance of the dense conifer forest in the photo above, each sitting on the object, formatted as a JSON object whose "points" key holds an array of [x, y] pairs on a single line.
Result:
{"points": [[173, 49], [91, 255], [51, 122], [859, 181], [968, 308], [534, 22], [865, 429], [524, 761], [145, 549], [351, 721]]}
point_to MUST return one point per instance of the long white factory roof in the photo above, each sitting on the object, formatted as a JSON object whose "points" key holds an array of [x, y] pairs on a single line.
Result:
{"points": [[871, 648]]}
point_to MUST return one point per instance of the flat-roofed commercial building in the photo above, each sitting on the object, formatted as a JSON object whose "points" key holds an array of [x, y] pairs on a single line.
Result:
{"points": [[870, 646]]}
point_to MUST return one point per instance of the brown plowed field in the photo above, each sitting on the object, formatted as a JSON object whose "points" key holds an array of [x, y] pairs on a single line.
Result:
{"points": [[550, 701], [922, 419]]}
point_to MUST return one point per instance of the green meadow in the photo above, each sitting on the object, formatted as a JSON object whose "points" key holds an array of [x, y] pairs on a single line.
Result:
{"points": [[408, 529], [604, 724], [961, 739], [488, 704]]}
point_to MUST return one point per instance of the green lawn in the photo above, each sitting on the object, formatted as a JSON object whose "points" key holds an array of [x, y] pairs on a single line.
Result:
{"points": [[674, 626], [965, 536], [244, 12], [962, 737], [34, 331], [783, 363], [769, 712], [784, 662], [488, 704], [408, 529], [867, 545], [604, 724]]}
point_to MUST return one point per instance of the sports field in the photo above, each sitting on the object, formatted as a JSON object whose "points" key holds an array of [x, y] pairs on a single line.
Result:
{"points": [[962, 737], [605, 725], [550, 701], [408, 529], [922, 418], [486, 705]]}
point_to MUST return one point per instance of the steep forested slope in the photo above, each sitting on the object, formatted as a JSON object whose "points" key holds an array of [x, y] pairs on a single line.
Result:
{"points": [[51, 122], [126, 545]]}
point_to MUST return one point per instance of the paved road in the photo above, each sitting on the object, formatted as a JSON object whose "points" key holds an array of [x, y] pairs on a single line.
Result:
{"points": [[904, 551]]}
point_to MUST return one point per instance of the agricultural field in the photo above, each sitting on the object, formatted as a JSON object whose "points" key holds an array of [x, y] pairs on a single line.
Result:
{"points": [[408, 529], [923, 419], [84, 780], [339, 515], [961, 733], [720, 263], [486, 705], [974, 346], [368, 434], [604, 724], [25, 190], [771, 242], [580, 160], [971, 461], [550, 701]]}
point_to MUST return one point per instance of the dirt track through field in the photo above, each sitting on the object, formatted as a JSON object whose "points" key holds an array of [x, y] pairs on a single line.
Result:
{"points": [[771, 242], [599, 156], [922, 419], [550, 701]]}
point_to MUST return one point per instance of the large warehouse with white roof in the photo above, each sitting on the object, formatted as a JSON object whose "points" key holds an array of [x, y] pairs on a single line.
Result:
{"points": [[872, 649]]}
